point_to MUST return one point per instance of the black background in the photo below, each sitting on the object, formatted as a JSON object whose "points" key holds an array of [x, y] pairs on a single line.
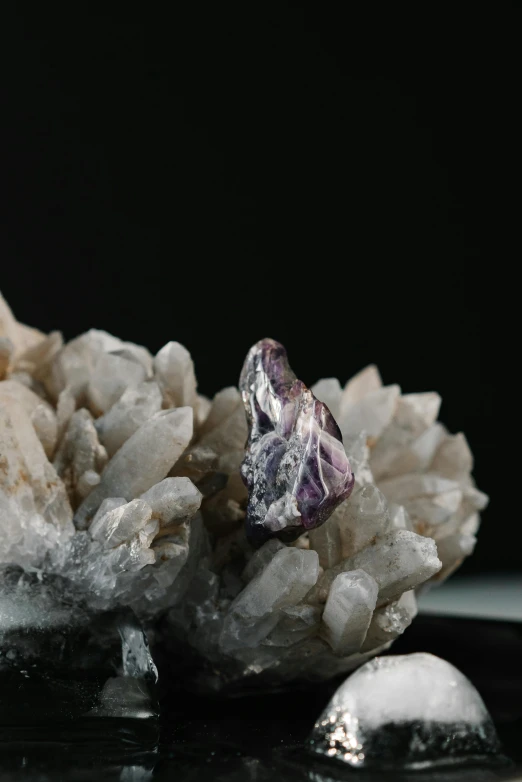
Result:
{"points": [[225, 173]]}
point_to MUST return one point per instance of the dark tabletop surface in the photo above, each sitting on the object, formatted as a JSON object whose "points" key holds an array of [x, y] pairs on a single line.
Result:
{"points": [[259, 738]]}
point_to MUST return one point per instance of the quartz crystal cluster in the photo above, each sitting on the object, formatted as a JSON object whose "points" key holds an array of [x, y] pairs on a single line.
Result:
{"points": [[273, 533], [414, 461]]}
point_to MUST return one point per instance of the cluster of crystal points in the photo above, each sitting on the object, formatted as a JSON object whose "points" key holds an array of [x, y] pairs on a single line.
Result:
{"points": [[118, 476]]}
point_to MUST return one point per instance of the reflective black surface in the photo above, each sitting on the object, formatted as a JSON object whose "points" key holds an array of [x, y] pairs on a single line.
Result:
{"points": [[257, 739]]}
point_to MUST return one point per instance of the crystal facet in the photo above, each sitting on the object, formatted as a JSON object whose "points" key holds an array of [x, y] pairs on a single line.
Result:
{"points": [[295, 467]]}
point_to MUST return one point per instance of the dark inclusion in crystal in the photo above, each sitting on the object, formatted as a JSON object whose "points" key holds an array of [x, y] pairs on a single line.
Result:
{"points": [[295, 467]]}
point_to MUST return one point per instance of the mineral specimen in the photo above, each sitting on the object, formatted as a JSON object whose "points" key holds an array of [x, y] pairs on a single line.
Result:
{"points": [[407, 711], [413, 460], [61, 661], [118, 478], [295, 466]]}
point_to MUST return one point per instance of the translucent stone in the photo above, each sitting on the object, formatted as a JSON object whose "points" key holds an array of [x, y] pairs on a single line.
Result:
{"points": [[261, 558], [65, 407], [399, 561], [371, 414], [166, 548], [390, 621], [86, 483], [21, 337], [364, 382], [225, 430], [408, 487], [174, 371], [201, 464], [38, 358], [143, 460], [283, 582], [329, 391], [452, 549], [135, 406], [202, 409], [404, 445], [169, 506], [399, 518], [365, 518], [435, 510], [137, 353], [121, 523], [470, 525], [130, 694], [79, 452], [359, 455], [199, 549], [41, 413], [348, 611], [295, 466], [296, 623], [76, 361], [417, 412], [398, 455], [112, 375], [406, 712], [61, 662], [34, 508], [326, 540], [45, 425], [172, 500], [125, 558], [107, 505], [474, 498], [453, 458], [223, 405]]}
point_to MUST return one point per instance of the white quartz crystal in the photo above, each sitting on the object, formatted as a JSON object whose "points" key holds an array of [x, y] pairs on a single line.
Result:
{"points": [[390, 621], [116, 475], [79, 453], [113, 374], [172, 500], [121, 523], [282, 583], [398, 561], [174, 371], [261, 558], [34, 509], [17, 336], [373, 413], [348, 611], [414, 461], [412, 711], [136, 405], [143, 460], [42, 415], [411, 687]]}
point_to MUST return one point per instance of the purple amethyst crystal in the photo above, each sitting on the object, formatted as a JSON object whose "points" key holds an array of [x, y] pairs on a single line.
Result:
{"points": [[295, 467]]}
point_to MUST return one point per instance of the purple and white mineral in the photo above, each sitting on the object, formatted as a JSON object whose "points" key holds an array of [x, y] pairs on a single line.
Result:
{"points": [[295, 468]]}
